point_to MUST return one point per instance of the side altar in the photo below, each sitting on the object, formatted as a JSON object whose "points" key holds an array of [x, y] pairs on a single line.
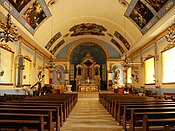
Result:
{"points": [[88, 75]]}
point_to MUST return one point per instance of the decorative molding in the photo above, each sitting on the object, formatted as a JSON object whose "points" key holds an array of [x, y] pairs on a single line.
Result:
{"points": [[169, 46], [6, 47], [27, 58], [148, 57]]}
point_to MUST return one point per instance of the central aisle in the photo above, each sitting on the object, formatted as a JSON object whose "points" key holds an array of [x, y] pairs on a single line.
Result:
{"points": [[89, 115]]}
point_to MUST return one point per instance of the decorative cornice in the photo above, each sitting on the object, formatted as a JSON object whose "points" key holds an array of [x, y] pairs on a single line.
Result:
{"points": [[169, 46], [6, 47], [27, 58], [148, 57]]}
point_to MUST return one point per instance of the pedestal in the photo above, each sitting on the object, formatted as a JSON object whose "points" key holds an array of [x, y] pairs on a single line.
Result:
{"points": [[69, 88]]}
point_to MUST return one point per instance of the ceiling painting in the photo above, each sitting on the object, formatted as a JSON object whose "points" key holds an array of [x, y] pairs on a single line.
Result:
{"points": [[145, 13], [54, 38], [122, 39], [87, 29], [30, 13]]}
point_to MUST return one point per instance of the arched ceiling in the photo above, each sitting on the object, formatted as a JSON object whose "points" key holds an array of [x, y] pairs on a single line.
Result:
{"points": [[110, 14]]}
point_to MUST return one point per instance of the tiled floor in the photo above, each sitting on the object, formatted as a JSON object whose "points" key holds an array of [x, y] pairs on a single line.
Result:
{"points": [[89, 115]]}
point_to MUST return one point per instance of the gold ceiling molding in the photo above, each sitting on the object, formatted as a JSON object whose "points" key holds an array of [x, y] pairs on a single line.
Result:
{"points": [[27, 58], [151, 42], [87, 40], [25, 42], [169, 46], [148, 57], [6, 47]]}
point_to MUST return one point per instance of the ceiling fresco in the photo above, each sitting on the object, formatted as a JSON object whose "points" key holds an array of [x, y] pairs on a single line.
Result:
{"points": [[87, 29], [146, 13], [122, 39], [52, 40], [118, 45], [57, 46], [30, 13]]}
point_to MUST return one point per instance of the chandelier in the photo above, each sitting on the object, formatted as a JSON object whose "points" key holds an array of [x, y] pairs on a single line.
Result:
{"points": [[8, 31], [170, 37], [127, 62], [50, 64]]}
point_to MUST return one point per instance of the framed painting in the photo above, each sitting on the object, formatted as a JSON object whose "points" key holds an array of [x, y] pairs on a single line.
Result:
{"points": [[30, 13], [145, 13]]}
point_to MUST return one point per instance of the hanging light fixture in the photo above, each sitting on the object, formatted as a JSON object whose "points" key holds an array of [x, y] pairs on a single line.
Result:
{"points": [[8, 31], [170, 37]]}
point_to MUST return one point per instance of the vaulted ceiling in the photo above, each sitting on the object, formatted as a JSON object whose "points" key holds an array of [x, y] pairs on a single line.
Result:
{"points": [[110, 14]]}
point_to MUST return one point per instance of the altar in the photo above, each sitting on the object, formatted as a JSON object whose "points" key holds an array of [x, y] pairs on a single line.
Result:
{"points": [[88, 75], [88, 88]]}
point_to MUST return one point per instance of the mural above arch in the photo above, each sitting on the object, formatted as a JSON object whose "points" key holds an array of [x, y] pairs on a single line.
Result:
{"points": [[146, 13], [80, 51], [30, 13], [110, 51]]}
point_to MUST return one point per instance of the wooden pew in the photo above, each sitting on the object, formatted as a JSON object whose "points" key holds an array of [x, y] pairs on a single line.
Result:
{"points": [[126, 112], [64, 102], [143, 110], [159, 123], [19, 120], [35, 109], [57, 112], [50, 101], [32, 111], [168, 128]]}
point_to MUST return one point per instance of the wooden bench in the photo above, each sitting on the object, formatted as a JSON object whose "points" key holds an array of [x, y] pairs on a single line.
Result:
{"points": [[35, 109], [159, 123], [141, 111], [32, 111], [19, 120], [60, 105], [125, 112]]}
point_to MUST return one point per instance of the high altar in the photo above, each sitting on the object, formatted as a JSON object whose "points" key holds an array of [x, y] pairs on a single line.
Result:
{"points": [[88, 75]]}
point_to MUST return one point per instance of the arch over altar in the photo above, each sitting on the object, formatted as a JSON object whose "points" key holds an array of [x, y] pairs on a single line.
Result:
{"points": [[88, 75]]}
